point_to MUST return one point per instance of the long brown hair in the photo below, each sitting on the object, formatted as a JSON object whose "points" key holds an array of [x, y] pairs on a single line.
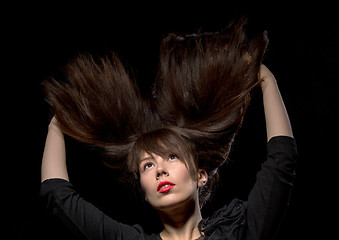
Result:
{"points": [[202, 89]]}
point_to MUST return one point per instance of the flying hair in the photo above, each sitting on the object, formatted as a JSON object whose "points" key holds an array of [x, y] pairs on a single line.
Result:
{"points": [[201, 93]]}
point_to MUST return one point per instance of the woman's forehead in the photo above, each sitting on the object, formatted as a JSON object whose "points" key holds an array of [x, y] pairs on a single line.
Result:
{"points": [[149, 155], [145, 155]]}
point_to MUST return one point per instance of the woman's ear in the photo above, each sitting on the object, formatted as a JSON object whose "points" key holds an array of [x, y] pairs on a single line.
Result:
{"points": [[202, 178]]}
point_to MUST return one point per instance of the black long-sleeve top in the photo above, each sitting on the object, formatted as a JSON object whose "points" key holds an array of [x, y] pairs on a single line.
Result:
{"points": [[256, 218]]}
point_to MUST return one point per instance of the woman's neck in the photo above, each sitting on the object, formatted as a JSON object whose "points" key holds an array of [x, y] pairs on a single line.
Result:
{"points": [[181, 222]]}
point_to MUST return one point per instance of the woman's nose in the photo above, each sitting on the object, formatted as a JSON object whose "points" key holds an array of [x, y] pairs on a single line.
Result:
{"points": [[161, 170]]}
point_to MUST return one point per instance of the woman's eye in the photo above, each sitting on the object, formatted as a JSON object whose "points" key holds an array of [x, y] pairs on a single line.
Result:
{"points": [[172, 157], [148, 165]]}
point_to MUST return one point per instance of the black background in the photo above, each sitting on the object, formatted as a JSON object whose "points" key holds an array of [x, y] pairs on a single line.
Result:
{"points": [[303, 51]]}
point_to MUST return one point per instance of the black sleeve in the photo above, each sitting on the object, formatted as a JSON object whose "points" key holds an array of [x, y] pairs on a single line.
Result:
{"points": [[269, 198], [82, 217]]}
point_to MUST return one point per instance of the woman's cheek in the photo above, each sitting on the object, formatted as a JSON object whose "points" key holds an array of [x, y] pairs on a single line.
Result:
{"points": [[146, 184]]}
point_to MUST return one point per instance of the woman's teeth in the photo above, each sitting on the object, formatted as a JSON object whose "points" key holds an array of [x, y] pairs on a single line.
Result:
{"points": [[167, 185]]}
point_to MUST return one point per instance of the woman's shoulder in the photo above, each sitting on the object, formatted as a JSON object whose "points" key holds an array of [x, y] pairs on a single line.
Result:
{"points": [[226, 221]]}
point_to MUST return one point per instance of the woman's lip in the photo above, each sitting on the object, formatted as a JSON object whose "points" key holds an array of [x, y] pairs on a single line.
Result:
{"points": [[163, 188]]}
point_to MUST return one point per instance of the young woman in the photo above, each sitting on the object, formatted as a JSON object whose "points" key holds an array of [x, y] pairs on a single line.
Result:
{"points": [[173, 143]]}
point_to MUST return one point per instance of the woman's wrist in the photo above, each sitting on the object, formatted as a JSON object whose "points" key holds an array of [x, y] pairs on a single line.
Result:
{"points": [[268, 82], [54, 126]]}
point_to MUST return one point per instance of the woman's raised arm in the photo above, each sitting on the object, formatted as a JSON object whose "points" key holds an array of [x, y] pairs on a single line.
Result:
{"points": [[54, 156], [277, 120]]}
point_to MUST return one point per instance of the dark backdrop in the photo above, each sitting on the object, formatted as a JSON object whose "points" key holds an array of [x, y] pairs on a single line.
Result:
{"points": [[302, 54]]}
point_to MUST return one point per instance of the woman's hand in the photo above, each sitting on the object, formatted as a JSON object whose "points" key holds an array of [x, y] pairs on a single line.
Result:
{"points": [[266, 77], [54, 125]]}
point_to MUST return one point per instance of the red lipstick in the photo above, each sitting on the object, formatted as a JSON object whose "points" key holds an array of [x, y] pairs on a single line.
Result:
{"points": [[165, 186]]}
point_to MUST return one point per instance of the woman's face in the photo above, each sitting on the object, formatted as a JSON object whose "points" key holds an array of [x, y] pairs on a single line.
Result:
{"points": [[167, 182]]}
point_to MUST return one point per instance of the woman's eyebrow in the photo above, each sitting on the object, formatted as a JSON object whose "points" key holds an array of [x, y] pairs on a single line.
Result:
{"points": [[145, 159]]}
